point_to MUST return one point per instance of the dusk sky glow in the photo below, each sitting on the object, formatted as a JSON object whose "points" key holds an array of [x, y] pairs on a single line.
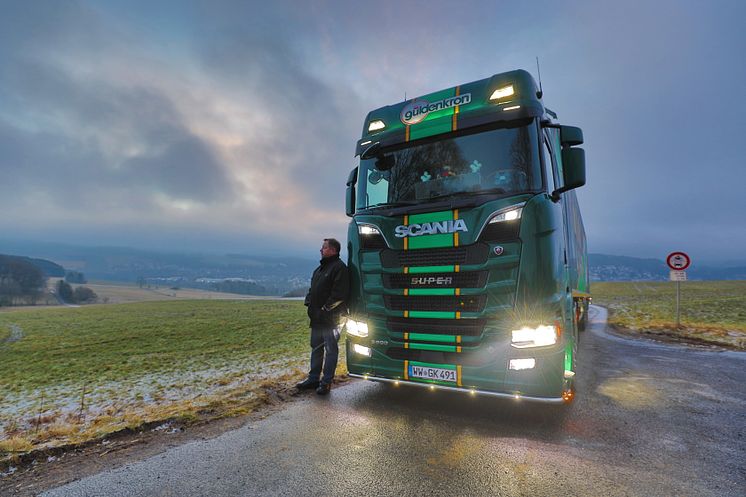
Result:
{"points": [[231, 126]]}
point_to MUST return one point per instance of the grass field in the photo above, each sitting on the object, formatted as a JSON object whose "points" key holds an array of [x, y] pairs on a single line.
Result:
{"points": [[122, 293], [125, 293], [711, 311], [69, 375], [141, 362]]}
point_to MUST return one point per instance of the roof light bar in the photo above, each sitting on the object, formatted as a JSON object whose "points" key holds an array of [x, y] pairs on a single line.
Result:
{"points": [[376, 125], [504, 92]]}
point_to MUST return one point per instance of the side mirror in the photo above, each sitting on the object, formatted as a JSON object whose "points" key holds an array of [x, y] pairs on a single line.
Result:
{"points": [[573, 173], [350, 194], [571, 136]]}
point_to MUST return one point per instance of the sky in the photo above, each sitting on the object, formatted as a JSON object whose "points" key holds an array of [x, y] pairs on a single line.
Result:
{"points": [[230, 126]]}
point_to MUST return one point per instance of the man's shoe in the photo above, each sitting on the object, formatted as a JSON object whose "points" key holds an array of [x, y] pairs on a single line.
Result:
{"points": [[307, 384], [323, 389]]}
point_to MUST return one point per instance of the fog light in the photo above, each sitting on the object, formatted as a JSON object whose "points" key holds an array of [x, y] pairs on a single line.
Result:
{"points": [[361, 349], [520, 364]]}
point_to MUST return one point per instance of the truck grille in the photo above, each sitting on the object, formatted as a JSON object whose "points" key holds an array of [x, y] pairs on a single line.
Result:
{"points": [[432, 357], [469, 279], [449, 256], [463, 303], [467, 327]]}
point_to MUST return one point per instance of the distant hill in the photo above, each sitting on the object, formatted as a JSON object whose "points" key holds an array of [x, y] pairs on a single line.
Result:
{"points": [[267, 275], [237, 273], [622, 268], [48, 268]]}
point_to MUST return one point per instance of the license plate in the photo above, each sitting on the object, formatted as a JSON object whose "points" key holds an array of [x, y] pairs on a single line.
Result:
{"points": [[428, 373]]}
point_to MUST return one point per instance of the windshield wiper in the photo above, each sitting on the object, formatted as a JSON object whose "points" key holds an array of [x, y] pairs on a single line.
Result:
{"points": [[478, 192], [385, 205]]}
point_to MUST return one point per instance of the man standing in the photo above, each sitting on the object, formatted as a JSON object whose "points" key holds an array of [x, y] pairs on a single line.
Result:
{"points": [[326, 301]]}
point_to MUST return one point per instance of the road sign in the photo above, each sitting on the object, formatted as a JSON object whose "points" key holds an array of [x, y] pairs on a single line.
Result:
{"points": [[678, 261]]}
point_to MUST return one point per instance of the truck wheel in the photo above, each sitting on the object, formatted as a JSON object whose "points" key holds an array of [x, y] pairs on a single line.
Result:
{"points": [[581, 314]]}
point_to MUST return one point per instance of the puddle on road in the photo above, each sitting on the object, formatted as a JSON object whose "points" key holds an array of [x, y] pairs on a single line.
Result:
{"points": [[645, 392], [633, 392]]}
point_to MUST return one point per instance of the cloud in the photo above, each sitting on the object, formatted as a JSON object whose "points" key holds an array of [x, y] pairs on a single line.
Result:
{"points": [[248, 136], [236, 121]]}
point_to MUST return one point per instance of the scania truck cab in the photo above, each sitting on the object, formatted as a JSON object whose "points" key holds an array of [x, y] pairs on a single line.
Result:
{"points": [[466, 247]]}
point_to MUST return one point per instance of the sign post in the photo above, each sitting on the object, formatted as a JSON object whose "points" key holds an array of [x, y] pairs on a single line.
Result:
{"points": [[678, 262]]}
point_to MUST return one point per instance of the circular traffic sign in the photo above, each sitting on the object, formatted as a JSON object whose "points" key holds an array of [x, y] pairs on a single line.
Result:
{"points": [[678, 261]]}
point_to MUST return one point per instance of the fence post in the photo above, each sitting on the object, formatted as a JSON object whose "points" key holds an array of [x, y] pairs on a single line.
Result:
{"points": [[41, 409], [82, 403]]}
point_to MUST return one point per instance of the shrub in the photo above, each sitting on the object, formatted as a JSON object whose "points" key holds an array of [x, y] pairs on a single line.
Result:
{"points": [[83, 295]]}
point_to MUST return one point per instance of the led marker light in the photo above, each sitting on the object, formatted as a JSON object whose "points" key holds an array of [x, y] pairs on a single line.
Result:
{"points": [[507, 215], [366, 229]]}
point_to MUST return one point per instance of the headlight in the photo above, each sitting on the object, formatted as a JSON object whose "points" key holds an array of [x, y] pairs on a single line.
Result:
{"points": [[507, 215], [367, 229], [540, 336], [357, 328]]}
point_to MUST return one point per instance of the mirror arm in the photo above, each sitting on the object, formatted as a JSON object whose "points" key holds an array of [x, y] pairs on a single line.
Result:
{"points": [[370, 150], [555, 195]]}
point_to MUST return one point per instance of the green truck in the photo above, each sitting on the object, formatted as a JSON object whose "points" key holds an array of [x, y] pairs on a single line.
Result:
{"points": [[467, 251]]}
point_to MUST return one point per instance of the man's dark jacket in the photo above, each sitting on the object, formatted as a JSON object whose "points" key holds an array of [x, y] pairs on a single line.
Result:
{"points": [[330, 290]]}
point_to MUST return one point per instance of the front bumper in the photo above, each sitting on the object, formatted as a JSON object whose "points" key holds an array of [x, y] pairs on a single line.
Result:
{"points": [[471, 391], [546, 382]]}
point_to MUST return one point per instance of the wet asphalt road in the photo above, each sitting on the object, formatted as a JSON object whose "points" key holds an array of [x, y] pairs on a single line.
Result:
{"points": [[649, 420]]}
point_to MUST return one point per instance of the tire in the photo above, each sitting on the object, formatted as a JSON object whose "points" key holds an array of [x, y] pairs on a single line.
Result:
{"points": [[581, 311]]}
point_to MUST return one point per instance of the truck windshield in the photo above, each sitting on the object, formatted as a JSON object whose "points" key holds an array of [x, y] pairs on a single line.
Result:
{"points": [[500, 161]]}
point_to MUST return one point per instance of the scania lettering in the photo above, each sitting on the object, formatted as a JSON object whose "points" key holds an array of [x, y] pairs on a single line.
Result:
{"points": [[431, 228], [467, 251]]}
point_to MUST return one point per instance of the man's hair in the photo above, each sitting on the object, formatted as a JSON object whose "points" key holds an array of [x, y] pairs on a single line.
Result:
{"points": [[333, 243]]}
